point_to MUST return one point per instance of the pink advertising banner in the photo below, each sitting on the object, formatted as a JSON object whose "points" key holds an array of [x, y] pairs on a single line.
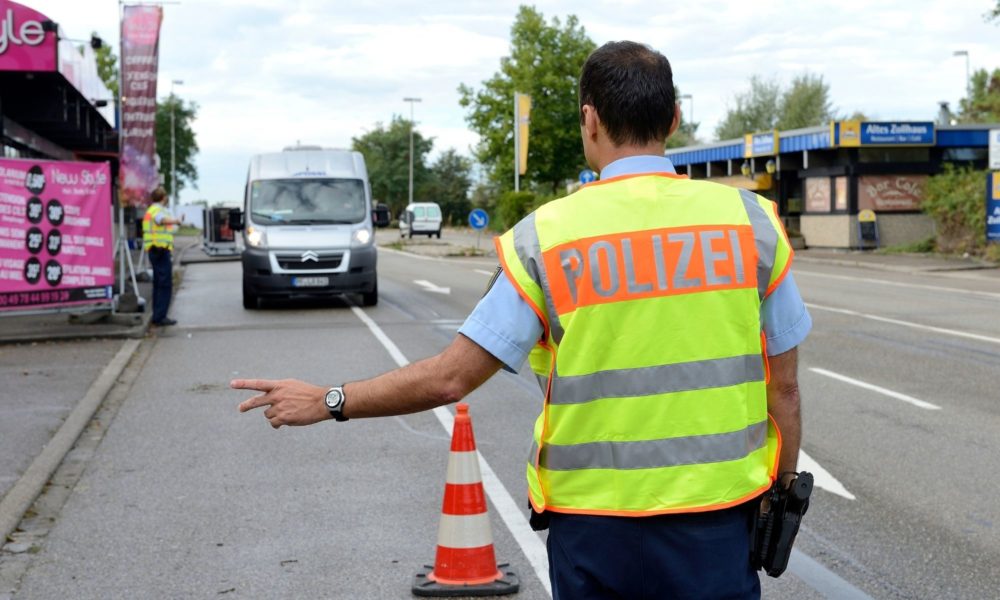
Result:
{"points": [[56, 245], [140, 59], [24, 43]]}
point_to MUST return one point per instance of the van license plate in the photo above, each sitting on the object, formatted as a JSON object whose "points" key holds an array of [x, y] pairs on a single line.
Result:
{"points": [[310, 281]]}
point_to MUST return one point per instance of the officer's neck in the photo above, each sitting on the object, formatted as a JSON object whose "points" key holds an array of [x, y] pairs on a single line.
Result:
{"points": [[609, 153]]}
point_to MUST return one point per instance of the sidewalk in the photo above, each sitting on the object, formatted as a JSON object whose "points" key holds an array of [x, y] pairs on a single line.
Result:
{"points": [[900, 263]]}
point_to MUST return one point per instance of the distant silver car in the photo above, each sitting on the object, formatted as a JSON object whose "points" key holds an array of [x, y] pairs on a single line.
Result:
{"points": [[420, 217]]}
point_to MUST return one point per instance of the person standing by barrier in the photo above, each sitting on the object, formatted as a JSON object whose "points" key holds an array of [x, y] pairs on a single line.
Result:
{"points": [[158, 242], [662, 321]]}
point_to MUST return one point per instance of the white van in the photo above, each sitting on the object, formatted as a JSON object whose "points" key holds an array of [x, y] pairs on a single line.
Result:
{"points": [[420, 217], [307, 229]]}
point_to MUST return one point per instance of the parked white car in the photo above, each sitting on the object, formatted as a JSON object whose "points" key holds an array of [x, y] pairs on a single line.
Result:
{"points": [[420, 217]]}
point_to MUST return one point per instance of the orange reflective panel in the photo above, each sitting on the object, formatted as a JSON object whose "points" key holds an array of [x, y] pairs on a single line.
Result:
{"points": [[651, 263]]}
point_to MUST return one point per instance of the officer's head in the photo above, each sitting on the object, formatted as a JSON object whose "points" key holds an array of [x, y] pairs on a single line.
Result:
{"points": [[626, 99], [158, 195]]}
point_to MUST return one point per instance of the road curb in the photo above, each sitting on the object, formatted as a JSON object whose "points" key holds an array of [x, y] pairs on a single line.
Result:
{"points": [[877, 266], [20, 497]]}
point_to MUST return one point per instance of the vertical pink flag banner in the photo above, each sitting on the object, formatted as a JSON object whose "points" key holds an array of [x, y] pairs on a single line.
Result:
{"points": [[140, 58], [56, 245]]}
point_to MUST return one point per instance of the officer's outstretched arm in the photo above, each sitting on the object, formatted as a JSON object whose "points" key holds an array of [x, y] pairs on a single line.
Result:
{"points": [[783, 404], [448, 377]]}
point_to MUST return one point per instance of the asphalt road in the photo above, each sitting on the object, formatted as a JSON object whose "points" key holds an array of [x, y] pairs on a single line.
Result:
{"points": [[187, 498]]}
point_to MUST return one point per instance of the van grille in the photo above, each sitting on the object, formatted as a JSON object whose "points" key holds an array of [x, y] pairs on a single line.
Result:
{"points": [[293, 261]]}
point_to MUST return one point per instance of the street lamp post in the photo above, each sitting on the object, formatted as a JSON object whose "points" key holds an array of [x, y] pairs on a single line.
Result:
{"points": [[968, 81], [411, 101], [173, 146], [691, 98]]}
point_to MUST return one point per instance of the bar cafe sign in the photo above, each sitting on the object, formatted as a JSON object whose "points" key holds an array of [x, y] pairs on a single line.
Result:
{"points": [[760, 144], [884, 133]]}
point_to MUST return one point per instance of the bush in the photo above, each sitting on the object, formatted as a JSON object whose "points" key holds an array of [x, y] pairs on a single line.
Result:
{"points": [[955, 201], [512, 207]]}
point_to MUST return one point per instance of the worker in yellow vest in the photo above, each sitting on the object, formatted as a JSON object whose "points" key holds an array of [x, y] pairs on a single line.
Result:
{"points": [[158, 227], [662, 321]]}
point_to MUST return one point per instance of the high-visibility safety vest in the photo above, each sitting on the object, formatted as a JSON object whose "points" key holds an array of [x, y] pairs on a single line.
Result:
{"points": [[652, 358], [153, 234]]}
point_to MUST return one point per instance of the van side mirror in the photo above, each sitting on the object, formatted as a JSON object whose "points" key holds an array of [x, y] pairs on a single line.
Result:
{"points": [[236, 219], [380, 216]]}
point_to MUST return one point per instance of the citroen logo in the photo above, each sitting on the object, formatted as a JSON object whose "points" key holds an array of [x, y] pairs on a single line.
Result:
{"points": [[310, 255]]}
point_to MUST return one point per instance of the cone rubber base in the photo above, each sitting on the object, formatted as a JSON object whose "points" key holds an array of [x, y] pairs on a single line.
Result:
{"points": [[507, 584]]}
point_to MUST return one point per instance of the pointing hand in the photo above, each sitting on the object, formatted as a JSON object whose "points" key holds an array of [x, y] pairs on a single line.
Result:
{"points": [[289, 401]]}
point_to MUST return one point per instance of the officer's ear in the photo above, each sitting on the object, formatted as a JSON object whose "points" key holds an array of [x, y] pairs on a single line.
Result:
{"points": [[677, 119], [590, 123]]}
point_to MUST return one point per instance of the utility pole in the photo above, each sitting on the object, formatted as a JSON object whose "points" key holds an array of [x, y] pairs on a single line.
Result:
{"points": [[173, 146], [411, 101]]}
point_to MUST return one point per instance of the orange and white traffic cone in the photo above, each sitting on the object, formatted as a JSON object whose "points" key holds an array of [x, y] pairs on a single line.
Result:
{"points": [[465, 564]]}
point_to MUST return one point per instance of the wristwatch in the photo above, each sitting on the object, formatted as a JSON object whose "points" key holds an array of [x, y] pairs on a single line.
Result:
{"points": [[335, 402]]}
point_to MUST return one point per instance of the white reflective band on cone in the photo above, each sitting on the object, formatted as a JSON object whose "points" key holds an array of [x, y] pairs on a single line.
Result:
{"points": [[463, 468], [466, 531]]}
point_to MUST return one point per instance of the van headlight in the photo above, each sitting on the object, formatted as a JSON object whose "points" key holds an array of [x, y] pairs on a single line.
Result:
{"points": [[256, 237], [361, 237]]}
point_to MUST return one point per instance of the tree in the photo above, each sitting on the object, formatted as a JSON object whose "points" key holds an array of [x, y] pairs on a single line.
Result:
{"points": [[806, 103], [545, 61], [755, 110], [387, 154], [448, 184], [107, 66], [994, 14], [185, 142], [984, 104]]}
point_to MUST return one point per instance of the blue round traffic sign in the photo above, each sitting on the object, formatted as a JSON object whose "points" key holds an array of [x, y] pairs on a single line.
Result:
{"points": [[586, 176], [478, 218]]}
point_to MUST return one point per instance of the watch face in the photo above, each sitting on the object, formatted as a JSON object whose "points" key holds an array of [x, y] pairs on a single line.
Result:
{"points": [[334, 398]]}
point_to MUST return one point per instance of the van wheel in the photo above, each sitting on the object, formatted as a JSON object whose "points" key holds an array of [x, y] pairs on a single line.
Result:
{"points": [[410, 234], [370, 298], [439, 233], [250, 300]]}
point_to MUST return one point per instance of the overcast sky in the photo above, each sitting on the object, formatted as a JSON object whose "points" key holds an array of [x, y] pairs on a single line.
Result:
{"points": [[268, 73]]}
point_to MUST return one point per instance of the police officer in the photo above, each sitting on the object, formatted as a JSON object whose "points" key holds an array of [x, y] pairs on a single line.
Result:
{"points": [[661, 318], [158, 242]]}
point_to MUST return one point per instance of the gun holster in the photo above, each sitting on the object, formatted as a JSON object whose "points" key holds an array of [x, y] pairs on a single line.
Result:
{"points": [[775, 530]]}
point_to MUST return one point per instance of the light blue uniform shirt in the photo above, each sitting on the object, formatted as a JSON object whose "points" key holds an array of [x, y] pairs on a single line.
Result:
{"points": [[505, 325]]}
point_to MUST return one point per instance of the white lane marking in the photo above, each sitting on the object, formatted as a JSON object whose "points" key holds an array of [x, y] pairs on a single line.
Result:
{"points": [[869, 386], [506, 507], [463, 261], [430, 287], [822, 477], [487, 273], [954, 332], [823, 580], [937, 288]]}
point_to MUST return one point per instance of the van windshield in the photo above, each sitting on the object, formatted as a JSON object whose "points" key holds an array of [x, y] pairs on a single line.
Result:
{"points": [[308, 201]]}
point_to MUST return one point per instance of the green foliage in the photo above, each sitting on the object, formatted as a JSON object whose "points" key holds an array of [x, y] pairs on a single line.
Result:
{"points": [[387, 155], [984, 105], [512, 207], [805, 103], [765, 106], [755, 110], [919, 247], [545, 61], [994, 14], [448, 184], [107, 66], [186, 144], [954, 200]]}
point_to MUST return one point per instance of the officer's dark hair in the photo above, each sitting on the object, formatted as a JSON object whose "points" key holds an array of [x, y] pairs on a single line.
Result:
{"points": [[632, 87], [158, 195]]}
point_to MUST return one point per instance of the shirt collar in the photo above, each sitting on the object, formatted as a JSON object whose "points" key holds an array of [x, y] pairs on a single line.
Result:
{"points": [[636, 165]]}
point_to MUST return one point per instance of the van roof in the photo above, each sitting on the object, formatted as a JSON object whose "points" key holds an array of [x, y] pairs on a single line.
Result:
{"points": [[341, 164]]}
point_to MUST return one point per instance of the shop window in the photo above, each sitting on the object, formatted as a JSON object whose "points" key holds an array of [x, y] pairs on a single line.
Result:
{"points": [[817, 195]]}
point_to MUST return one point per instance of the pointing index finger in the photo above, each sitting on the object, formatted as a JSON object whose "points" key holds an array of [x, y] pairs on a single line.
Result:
{"points": [[261, 385]]}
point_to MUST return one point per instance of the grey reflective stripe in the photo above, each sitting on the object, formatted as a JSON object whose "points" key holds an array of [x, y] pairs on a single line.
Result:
{"points": [[653, 454], [543, 382], [662, 379], [529, 252], [765, 238]]}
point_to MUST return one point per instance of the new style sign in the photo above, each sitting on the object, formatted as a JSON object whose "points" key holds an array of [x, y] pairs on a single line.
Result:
{"points": [[55, 234], [24, 43], [886, 133]]}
